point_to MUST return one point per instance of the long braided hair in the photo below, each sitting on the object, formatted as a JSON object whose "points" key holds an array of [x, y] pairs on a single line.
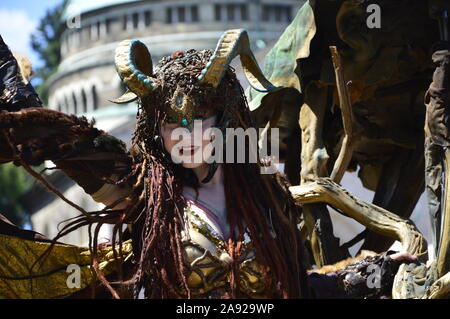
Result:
{"points": [[258, 204]]}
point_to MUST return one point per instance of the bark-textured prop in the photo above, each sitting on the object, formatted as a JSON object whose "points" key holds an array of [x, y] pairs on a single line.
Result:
{"points": [[361, 106]]}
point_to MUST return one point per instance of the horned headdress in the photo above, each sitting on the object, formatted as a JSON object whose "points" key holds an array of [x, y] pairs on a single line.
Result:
{"points": [[135, 68]]}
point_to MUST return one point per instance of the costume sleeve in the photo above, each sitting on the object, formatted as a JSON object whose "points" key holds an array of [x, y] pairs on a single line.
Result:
{"points": [[15, 94], [97, 165], [90, 157], [65, 271], [371, 277]]}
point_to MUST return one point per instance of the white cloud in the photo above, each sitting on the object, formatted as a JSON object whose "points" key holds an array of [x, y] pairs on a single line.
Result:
{"points": [[15, 28]]}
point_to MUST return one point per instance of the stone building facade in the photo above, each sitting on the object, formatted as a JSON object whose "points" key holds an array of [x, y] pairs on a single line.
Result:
{"points": [[85, 80]]}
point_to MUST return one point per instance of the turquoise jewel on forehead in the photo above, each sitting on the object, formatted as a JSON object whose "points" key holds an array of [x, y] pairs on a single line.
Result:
{"points": [[184, 121]]}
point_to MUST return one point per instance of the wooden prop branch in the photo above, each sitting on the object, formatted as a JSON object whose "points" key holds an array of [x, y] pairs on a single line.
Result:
{"points": [[324, 245], [440, 288], [324, 190], [346, 152], [314, 157]]}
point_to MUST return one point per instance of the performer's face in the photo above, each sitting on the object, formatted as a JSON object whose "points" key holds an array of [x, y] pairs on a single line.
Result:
{"points": [[188, 148]]}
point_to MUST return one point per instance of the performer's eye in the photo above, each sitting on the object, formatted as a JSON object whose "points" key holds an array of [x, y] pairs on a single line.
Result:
{"points": [[171, 120], [203, 116]]}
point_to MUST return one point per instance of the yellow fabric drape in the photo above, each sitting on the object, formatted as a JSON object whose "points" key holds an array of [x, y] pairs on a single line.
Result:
{"points": [[50, 276]]}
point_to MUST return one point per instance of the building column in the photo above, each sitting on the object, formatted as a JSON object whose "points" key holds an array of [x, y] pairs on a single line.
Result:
{"points": [[103, 32], [129, 21], [159, 13], [79, 100], [69, 103], [76, 38], [188, 14], [175, 17], [223, 12], [51, 103], [74, 103], [141, 23], [206, 12], [63, 104], [89, 98], [60, 102], [69, 41], [94, 31], [254, 11]]}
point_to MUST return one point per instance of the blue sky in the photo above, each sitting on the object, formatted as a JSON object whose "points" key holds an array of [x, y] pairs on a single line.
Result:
{"points": [[18, 19]]}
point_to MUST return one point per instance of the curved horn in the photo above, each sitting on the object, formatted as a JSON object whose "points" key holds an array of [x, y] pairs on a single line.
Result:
{"points": [[134, 66], [127, 97], [232, 43]]}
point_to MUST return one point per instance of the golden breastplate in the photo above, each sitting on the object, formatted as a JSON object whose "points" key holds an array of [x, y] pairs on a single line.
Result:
{"points": [[209, 263]]}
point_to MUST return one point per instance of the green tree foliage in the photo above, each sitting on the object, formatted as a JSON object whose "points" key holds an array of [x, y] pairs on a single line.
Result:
{"points": [[13, 184], [46, 42]]}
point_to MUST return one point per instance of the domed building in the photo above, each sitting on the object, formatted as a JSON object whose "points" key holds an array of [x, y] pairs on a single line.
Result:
{"points": [[86, 78]]}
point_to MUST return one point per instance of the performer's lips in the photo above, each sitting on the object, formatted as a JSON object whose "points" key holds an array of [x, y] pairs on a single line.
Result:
{"points": [[188, 150]]}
